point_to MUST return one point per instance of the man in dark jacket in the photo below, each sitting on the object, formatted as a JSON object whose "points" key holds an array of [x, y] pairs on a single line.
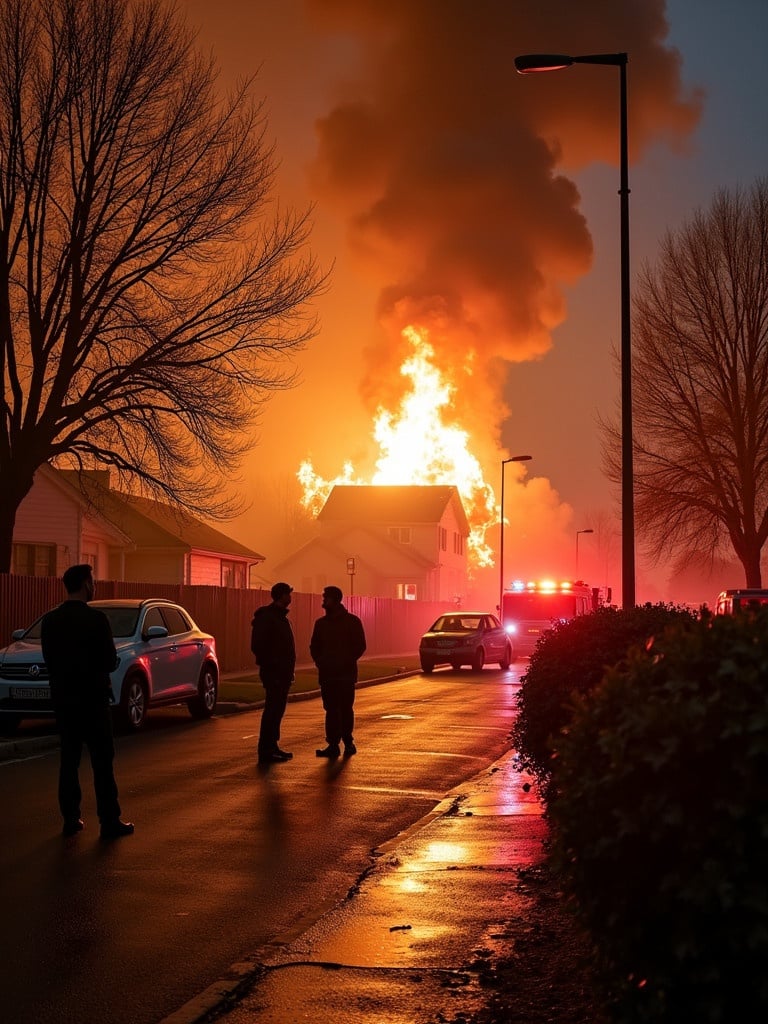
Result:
{"points": [[79, 653], [338, 640], [275, 651]]}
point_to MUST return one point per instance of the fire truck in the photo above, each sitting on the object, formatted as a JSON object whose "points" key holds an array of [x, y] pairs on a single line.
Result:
{"points": [[530, 608], [729, 602]]}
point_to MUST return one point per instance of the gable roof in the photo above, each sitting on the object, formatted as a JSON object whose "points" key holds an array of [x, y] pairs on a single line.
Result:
{"points": [[401, 503], [338, 545], [153, 524]]}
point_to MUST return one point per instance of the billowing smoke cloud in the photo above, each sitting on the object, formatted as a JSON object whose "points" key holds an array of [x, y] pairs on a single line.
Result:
{"points": [[445, 162]]}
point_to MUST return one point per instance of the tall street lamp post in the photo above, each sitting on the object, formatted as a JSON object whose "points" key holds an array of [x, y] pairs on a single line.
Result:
{"points": [[515, 458], [534, 62], [577, 548]]}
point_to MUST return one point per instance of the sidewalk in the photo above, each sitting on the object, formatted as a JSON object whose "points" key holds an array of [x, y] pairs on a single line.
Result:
{"points": [[417, 940]]}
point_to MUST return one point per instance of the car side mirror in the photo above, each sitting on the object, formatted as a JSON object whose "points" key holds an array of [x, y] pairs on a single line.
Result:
{"points": [[17, 634], [155, 633]]}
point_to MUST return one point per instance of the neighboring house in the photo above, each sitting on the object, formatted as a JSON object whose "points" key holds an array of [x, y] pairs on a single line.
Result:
{"points": [[70, 517], [405, 542]]}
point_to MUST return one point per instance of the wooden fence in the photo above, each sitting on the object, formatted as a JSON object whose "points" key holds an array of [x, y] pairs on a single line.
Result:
{"points": [[391, 626]]}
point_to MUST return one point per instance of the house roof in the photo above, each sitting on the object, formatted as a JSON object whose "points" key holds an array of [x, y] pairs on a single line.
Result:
{"points": [[337, 546], [152, 523], [406, 503]]}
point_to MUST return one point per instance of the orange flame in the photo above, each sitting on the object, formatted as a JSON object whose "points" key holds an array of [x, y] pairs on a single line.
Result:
{"points": [[418, 446]]}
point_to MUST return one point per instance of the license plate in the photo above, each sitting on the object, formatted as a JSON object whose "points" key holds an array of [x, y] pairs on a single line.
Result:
{"points": [[31, 693]]}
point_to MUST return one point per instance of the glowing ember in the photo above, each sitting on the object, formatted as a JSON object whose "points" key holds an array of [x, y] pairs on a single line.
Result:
{"points": [[418, 446]]}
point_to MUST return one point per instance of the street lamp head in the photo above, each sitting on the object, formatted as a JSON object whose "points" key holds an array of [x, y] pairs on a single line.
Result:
{"points": [[530, 63], [585, 531], [517, 458]]}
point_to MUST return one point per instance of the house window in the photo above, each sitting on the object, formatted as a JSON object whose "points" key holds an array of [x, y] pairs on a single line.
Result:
{"points": [[400, 534], [233, 574], [33, 560], [406, 591], [458, 544], [443, 539]]}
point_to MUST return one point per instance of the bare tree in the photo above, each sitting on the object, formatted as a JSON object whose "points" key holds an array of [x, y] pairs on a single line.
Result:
{"points": [[700, 378], [150, 287]]}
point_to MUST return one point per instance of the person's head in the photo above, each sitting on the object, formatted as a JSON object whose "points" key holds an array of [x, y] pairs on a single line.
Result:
{"points": [[281, 594], [332, 598], [78, 582]]}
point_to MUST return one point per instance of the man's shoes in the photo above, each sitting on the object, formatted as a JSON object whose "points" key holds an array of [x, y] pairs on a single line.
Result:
{"points": [[332, 750], [349, 749], [72, 827], [116, 830], [275, 757]]}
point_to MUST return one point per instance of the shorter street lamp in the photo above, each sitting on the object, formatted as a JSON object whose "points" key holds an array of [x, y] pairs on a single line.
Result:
{"points": [[515, 458], [577, 548], [351, 571]]}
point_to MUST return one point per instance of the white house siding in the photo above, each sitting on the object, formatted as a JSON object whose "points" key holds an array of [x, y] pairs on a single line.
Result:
{"points": [[205, 570], [46, 516], [454, 564]]}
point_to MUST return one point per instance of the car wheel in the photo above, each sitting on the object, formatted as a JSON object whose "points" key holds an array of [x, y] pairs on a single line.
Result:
{"points": [[427, 666], [508, 658], [133, 703], [478, 660], [203, 705]]}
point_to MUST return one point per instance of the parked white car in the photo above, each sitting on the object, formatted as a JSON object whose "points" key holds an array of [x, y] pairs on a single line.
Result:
{"points": [[163, 658]]}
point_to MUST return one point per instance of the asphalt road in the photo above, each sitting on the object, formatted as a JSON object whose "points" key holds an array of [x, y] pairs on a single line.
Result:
{"points": [[226, 857]]}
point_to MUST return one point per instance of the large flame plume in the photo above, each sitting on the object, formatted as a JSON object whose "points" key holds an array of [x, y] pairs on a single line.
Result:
{"points": [[420, 443]]}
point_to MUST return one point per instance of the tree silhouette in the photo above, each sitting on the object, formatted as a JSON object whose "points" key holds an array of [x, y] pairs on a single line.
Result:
{"points": [[700, 378], [150, 286]]}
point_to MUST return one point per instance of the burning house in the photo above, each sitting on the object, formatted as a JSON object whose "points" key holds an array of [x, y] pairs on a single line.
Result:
{"points": [[407, 542]]}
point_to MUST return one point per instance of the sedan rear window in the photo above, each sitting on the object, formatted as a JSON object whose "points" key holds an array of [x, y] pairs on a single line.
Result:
{"points": [[456, 624]]}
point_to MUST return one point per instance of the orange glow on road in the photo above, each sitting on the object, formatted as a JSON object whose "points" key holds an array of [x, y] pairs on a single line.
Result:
{"points": [[420, 443]]}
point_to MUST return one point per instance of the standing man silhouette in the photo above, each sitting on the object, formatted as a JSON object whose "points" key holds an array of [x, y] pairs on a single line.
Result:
{"points": [[338, 640], [79, 653], [274, 648]]}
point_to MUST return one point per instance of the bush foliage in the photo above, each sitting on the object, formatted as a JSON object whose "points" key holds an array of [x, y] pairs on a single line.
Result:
{"points": [[660, 823], [570, 661]]}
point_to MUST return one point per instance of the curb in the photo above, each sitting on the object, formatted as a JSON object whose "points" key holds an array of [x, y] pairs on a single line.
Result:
{"points": [[11, 750]]}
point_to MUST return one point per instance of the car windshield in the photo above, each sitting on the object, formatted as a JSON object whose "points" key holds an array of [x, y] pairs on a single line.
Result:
{"points": [[539, 606], [122, 622], [456, 624]]}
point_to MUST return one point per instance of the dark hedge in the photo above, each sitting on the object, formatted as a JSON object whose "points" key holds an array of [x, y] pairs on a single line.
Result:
{"points": [[660, 824], [569, 662]]}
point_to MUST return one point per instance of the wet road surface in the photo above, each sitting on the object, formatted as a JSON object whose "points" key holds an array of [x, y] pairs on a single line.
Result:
{"points": [[226, 858]]}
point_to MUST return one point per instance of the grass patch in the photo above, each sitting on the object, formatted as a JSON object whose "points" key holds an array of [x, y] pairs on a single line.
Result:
{"points": [[246, 687]]}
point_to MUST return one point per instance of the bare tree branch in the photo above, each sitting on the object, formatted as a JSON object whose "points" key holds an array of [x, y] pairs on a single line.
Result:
{"points": [[700, 380], [151, 289]]}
